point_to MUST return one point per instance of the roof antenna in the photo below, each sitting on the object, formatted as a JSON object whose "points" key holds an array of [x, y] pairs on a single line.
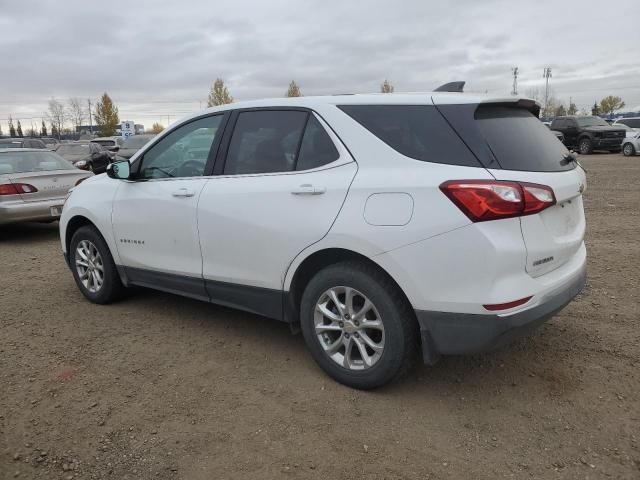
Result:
{"points": [[451, 87]]}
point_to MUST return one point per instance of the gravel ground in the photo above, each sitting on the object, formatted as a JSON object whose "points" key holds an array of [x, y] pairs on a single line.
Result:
{"points": [[159, 386]]}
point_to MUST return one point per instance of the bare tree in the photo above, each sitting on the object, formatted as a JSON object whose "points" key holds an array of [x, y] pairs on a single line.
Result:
{"points": [[76, 112], [56, 115]]}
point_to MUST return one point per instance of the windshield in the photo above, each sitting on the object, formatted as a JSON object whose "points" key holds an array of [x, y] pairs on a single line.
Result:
{"points": [[24, 162], [591, 122], [70, 149], [137, 141]]}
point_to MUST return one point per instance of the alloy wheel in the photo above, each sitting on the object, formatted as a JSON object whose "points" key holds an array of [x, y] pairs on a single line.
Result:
{"points": [[349, 328], [89, 266]]}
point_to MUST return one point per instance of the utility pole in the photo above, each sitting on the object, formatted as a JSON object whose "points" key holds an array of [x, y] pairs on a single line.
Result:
{"points": [[514, 71], [90, 121], [546, 75]]}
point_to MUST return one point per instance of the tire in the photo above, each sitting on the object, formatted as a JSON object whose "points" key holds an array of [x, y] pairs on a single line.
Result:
{"points": [[628, 150], [398, 335], [88, 239], [585, 147]]}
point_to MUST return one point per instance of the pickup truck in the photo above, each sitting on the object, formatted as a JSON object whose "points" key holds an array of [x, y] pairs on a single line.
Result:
{"points": [[589, 133]]}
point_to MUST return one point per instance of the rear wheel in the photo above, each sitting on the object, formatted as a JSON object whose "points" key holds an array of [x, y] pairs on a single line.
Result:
{"points": [[357, 325], [628, 150], [585, 147], [93, 267]]}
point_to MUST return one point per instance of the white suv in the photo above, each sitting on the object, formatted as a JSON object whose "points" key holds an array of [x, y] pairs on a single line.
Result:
{"points": [[378, 224]]}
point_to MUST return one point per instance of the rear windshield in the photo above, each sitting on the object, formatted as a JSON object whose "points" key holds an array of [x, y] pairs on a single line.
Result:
{"points": [[73, 149], [417, 131], [24, 162], [16, 144], [508, 138]]}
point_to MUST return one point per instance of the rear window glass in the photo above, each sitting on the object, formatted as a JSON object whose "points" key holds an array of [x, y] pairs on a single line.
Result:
{"points": [[24, 162], [519, 141], [507, 137], [416, 131]]}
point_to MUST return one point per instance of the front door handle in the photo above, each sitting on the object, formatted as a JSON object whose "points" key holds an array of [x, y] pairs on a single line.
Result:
{"points": [[183, 192], [308, 189]]}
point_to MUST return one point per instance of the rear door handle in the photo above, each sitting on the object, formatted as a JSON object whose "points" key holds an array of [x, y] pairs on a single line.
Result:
{"points": [[183, 192], [308, 189]]}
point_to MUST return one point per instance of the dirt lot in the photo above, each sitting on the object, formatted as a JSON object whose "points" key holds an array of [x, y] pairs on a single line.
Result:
{"points": [[159, 386]]}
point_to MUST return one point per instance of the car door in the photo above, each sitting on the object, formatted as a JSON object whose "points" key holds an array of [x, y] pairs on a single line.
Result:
{"points": [[571, 132], [154, 216], [282, 179]]}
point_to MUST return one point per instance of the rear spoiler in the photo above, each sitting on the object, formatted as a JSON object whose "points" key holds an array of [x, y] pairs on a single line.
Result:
{"points": [[526, 103], [455, 87]]}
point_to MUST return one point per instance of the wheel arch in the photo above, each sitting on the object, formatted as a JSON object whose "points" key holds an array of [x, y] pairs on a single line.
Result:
{"points": [[315, 262]]}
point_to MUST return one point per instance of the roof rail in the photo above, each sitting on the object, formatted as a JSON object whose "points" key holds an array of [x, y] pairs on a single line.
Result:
{"points": [[451, 87]]}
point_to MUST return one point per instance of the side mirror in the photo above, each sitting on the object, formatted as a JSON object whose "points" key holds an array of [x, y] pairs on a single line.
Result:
{"points": [[119, 170], [114, 148]]}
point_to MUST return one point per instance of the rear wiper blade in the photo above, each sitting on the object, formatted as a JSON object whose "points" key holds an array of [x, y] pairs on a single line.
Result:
{"points": [[569, 158]]}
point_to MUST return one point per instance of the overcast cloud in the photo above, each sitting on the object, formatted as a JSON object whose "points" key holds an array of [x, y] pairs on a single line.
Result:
{"points": [[159, 58]]}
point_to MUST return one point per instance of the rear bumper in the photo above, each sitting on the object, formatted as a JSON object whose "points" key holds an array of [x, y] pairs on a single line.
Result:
{"points": [[452, 333], [29, 211]]}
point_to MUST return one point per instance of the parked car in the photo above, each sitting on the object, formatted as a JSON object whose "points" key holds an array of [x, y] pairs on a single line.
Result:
{"points": [[33, 184], [132, 144], [589, 133], [375, 223], [559, 135], [629, 132], [631, 144], [633, 122], [86, 156], [113, 144], [50, 142], [19, 142]]}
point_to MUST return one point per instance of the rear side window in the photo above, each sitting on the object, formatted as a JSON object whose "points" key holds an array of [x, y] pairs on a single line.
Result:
{"points": [[416, 131], [507, 137], [317, 148]]}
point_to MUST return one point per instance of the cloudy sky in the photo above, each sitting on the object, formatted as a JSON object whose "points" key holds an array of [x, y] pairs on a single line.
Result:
{"points": [[158, 59]]}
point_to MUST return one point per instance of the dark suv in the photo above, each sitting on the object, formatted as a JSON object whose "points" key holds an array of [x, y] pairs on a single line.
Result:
{"points": [[589, 133]]}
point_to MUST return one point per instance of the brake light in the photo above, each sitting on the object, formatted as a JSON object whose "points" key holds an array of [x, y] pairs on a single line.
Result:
{"points": [[483, 200], [16, 188]]}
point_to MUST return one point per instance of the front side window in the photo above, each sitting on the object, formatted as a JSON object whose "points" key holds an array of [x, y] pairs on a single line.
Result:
{"points": [[265, 141], [183, 152], [591, 122]]}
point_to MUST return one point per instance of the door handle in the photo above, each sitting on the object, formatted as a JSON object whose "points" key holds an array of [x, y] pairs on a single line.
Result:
{"points": [[183, 192], [308, 189]]}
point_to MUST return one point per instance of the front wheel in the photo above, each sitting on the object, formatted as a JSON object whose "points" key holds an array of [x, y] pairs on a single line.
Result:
{"points": [[628, 150], [585, 147], [357, 326], [93, 267]]}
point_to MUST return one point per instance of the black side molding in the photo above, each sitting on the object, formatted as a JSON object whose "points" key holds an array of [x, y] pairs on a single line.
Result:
{"points": [[456, 87]]}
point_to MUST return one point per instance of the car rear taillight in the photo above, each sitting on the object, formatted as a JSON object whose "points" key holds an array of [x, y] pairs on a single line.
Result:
{"points": [[16, 188], [483, 200]]}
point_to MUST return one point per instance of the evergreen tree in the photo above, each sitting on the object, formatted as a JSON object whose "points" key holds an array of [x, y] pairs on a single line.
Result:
{"points": [[43, 130], [386, 87], [106, 116], [19, 130], [294, 90], [595, 110], [12, 130], [219, 94]]}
